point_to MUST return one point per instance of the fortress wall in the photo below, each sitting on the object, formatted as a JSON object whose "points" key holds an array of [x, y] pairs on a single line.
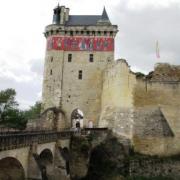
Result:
{"points": [[118, 84], [146, 112], [156, 127], [117, 99], [157, 92]]}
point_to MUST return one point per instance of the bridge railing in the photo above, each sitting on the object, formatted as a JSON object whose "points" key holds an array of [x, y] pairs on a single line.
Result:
{"points": [[17, 139]]}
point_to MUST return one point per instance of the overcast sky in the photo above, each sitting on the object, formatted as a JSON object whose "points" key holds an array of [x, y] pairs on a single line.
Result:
{"points": [[141, 23]]}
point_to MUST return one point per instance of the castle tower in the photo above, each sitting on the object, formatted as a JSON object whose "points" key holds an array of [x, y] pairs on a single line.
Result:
{"points": [[78, 49]]}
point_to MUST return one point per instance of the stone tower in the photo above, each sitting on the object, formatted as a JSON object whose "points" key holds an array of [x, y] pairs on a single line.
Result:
{"points": [[78, 49]]}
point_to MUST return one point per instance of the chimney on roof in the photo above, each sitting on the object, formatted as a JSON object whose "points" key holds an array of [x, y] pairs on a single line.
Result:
{"points": [[56, 15], [61, 15], [67, 14]]}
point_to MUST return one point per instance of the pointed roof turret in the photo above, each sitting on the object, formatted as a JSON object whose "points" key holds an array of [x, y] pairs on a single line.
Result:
{"points": [[104, 14], [104, 19]]}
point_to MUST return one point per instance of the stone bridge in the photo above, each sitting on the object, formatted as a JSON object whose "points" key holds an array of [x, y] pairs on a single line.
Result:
{"points": [[37, 155]]}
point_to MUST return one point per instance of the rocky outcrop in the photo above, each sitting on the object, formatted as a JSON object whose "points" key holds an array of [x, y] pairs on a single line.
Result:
{"points": [[109, 160], [165, 72], [79, 157]]}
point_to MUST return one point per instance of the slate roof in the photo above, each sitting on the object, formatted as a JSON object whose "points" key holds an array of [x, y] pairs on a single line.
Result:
{"points": [[87, 20], [83, 20]]}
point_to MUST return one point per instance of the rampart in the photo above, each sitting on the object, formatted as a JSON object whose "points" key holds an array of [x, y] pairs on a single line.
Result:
{"points": [[146, 110], [117, 98]]}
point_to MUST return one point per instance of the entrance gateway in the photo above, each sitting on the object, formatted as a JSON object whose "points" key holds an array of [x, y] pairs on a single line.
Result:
{"points": [[77, 118]]}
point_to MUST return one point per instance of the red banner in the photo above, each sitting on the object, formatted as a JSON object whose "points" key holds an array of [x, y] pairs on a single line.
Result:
{"points": [[80, 43]]}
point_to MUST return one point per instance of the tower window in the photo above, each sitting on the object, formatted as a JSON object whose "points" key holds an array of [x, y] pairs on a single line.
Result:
{"points": [[91, 58], [51, 59], [51, 72], [71, 33], [87, 32], [93, 33], [82, 32], [46, 34], [105, 33], [99, 33], [69, 57], [111, 33], [80, 74]]}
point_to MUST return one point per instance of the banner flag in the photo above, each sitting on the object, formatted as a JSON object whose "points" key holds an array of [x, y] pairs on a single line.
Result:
{"points": [[157, 50]]}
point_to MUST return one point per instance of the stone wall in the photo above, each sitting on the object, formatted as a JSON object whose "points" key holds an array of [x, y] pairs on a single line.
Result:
{"points": [[152, 167], [48, 121], [144, 110], [156, 127], [117, 98]]}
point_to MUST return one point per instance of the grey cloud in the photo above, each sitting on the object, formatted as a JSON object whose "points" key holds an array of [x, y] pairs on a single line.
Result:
{"points": [[27, 92], [139, 30], [36, 66]]}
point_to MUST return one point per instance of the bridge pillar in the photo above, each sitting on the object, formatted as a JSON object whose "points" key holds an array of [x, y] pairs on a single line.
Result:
{"points": [[34, 171], [60, 164]]}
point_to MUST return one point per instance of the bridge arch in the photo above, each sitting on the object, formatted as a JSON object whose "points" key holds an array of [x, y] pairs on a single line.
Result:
{"points": [[21, 154], [11, 168], [42, 147], [46, 157], [46, 163], [77, 118]]}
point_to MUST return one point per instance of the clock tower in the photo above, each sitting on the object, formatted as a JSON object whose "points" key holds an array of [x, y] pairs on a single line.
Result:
{"points": [[78, 49]]}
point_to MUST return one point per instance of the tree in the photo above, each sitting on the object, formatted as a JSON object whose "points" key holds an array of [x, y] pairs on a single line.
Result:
{"points": [[34, 111], [14, 118], [10, 115], [7, 99], [140, 75]]}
